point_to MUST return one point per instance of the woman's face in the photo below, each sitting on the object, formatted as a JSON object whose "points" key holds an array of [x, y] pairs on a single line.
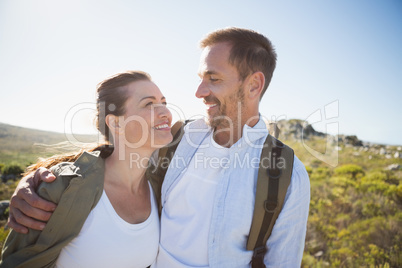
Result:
{"points": [[147, 120]]}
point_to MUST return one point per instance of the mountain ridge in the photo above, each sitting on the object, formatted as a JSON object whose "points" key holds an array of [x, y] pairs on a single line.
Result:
{"points": [[24, 145]]}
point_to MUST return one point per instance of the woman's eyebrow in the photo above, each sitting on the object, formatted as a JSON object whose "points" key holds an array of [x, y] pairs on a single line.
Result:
{"points": [[151, 97]]}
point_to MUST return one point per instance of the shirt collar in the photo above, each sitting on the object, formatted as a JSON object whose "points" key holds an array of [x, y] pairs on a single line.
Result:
{"points": [[250, 134], [258, 131]]}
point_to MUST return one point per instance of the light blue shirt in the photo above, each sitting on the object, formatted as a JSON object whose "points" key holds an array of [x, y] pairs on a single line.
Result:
{"points": [[234, 201]]}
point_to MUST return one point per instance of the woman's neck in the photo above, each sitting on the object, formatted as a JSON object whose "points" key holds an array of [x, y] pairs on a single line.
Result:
{"points": [[127, 169]]}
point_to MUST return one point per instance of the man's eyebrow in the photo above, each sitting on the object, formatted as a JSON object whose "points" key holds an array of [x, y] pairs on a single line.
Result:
{"points": [[151, 97], [207, 73]]}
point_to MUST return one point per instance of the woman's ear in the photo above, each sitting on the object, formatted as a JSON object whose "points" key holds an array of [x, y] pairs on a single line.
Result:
{"points": [[112, 122], [256, 83]]}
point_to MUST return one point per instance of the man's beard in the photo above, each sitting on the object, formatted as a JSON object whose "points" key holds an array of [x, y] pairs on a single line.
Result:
{"points": [[221, 117]]}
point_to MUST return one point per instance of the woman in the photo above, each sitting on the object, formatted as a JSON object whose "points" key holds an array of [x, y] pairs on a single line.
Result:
{"points": [[107, 215]]}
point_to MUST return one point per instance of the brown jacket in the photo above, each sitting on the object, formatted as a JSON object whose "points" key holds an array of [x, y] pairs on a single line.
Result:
{"points": [[76, 190]]}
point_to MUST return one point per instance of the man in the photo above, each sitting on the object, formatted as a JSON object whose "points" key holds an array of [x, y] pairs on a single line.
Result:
{"points": [[209, 189]]}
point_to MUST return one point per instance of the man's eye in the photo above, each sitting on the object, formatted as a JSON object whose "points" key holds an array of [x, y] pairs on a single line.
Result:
{"points": [[213, 79], [149, 103], [164, 103]]}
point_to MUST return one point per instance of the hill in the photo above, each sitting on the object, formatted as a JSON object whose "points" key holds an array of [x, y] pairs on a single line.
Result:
{"points": [[319, 149], [23, 145]]}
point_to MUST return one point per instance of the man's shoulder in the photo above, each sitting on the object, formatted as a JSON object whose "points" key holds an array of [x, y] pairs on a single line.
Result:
{"points": [[299, 167], [299, 173], [195, 124], [300, 181], [194, 133]]}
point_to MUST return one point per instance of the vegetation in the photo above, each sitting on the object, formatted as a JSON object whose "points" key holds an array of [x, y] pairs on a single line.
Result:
{"points": [[20, 147], [6, 190], [12, 169], [355, 215], [355, 220], [23, 146]]}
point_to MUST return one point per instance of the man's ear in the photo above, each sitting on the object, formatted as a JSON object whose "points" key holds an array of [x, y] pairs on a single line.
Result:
{"points": [[112, 122], [256, 82]]}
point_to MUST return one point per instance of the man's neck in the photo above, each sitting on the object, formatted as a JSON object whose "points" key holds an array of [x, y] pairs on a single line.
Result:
{"points": [[226, 136]]}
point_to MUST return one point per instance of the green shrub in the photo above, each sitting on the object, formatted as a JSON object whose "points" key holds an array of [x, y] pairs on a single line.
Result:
{"points": [[350, 169], [13, 169], [345, 255], [320, 173], [355, 217], [376, 176], [3, 236], [309, 170]]}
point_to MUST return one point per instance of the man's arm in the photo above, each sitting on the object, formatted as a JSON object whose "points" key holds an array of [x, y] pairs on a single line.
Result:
{"points": [[286, 243], [27, 209]]}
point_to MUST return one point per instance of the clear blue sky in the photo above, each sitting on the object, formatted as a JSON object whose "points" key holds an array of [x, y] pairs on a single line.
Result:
{"points": [[347, 52]]}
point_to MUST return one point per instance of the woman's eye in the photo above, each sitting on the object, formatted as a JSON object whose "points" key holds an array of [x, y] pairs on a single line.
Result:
{"points": [[152, 103]]}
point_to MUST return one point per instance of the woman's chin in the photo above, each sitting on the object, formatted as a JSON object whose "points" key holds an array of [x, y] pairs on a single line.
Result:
{"points": [[160, 143]]}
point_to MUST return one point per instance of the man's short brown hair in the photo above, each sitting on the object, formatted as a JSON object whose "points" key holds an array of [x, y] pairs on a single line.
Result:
{"points": [[251, 51]]}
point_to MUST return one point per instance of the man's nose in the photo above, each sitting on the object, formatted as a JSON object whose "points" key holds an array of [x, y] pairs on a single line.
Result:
{"points": [[202, 90]]}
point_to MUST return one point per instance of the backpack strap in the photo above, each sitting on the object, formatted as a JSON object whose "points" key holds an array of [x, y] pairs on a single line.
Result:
{"points": [[274, 175], [274, 129], [177, 131], [156, 174]]}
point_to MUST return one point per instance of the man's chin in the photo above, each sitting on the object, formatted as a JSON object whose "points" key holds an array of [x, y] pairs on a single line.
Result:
{"points": [[209, 120], [214, 121]]}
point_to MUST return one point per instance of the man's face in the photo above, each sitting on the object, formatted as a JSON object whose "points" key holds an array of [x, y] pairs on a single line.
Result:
{"points": [[220, 86]]}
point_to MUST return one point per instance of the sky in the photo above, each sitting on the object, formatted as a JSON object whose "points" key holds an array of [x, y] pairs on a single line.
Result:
{"points": [[339, 62]]}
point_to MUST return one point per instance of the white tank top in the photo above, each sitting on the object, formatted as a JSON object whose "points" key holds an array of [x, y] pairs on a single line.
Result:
{"points": [[106, 240]]}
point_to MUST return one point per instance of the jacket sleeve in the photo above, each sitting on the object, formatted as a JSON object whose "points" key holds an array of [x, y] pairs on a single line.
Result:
{"points": [[23, 250], [286, 243]]}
